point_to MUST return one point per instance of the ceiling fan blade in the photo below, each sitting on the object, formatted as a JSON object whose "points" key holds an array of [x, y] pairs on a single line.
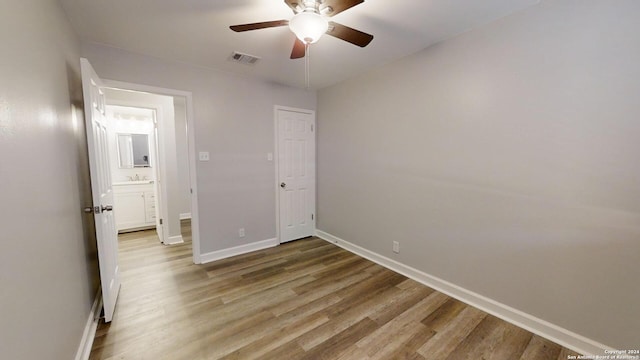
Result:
{"points": [[295, 5], [260, 25], [356, 37], [337, 6], [299, 49]]}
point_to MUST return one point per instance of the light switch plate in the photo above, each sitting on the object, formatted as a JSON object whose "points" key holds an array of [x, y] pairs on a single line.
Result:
{"points": [[203, 156], [269, 156]]}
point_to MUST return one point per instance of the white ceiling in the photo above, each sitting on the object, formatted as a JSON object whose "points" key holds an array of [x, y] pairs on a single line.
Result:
{"points": [[197, 32]]}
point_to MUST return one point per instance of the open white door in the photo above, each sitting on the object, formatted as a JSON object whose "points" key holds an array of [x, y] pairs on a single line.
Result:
{"points": [[106, 233], [296, 173]]}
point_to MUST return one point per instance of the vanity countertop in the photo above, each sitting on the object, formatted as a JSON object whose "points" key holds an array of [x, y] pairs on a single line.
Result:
{"points": [[135, 182]]}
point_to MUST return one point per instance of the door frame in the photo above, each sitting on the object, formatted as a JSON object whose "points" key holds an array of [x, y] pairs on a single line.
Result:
{"points": [[195, 229], [276, 160]]}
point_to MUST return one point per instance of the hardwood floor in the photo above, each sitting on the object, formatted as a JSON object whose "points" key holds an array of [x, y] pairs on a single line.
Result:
{"points": [[303, 300]]}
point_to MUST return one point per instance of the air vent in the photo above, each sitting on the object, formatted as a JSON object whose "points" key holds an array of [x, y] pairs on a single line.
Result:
{"points": [[244, 58]]}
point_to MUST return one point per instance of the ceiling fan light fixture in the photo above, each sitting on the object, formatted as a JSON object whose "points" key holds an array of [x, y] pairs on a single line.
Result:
{"points": [[309, 26]]}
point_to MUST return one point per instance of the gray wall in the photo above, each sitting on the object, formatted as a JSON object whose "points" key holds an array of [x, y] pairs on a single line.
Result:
{"points": [[234, 122], [505, 161], [48, 263]]}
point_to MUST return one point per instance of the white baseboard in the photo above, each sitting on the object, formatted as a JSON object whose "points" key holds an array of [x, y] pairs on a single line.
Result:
{"points": [[238, 250], [173, 240], [89, 334], [526, 321], [185, 216]]}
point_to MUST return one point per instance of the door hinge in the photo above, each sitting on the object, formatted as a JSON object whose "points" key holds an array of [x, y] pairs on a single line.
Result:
{"points": [[311, 216], [191, 191], [160, 221]]}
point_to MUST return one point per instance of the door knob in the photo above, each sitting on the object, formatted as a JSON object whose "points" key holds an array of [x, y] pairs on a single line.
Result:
{"points": [[107, 208], [283, 185]]}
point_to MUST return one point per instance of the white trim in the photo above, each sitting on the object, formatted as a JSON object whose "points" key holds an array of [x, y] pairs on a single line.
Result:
{"points": [[195, 228], [238, 250], [89, 334], [276, 183], [185, 216], [173, 240], [526, 321], [276, 160]]}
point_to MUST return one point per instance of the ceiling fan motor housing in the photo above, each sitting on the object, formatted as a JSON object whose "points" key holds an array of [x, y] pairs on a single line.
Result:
{"points": [[311, 5]]}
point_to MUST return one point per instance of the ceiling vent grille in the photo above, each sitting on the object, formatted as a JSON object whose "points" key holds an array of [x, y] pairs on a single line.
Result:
{"points": [[244, 58]]}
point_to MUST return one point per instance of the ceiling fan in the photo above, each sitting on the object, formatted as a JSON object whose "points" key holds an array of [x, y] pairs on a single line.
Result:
{"points": [[311, 21]]}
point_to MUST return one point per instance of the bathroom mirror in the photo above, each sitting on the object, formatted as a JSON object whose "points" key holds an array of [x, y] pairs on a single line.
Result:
{"points": [[133, 151]]}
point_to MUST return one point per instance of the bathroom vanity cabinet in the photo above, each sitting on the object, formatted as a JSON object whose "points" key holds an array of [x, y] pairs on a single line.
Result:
{"points": [[134, 205]]}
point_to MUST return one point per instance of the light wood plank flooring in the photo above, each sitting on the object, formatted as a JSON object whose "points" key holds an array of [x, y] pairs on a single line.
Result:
{"points": [[304, 300]]}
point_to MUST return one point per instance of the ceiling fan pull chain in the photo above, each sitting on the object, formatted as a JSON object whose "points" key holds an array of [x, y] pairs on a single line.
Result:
{"points": [[306, 66]]}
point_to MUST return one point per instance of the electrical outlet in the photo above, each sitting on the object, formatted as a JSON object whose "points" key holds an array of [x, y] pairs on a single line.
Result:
{"points": [[241, 232], [203, 156], [396, 247]]}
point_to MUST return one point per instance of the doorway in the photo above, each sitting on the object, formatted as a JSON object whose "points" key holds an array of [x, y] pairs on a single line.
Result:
{"points": [[134, 168], [174, 180]]}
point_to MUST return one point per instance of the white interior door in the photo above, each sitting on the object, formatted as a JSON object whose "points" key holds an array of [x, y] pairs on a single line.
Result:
{"points": [[97, 128], [296, 173]]}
